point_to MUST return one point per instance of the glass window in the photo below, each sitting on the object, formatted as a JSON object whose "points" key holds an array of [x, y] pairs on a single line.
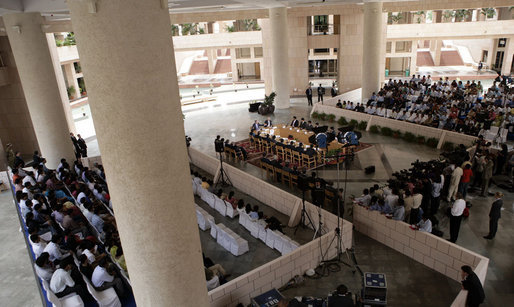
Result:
{"points": [[258, 52], [243, 53], [403, 46]]}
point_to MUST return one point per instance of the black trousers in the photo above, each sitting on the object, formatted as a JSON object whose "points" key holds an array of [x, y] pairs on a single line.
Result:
{"points": [[434, 206], [320, 98], [454, 227], [83, 293], [309, 100], [493, 227]]}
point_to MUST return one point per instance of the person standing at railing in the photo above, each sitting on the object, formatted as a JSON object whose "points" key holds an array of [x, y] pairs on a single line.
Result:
{"points": [[308, 93], [471, 283], [321, 92]]}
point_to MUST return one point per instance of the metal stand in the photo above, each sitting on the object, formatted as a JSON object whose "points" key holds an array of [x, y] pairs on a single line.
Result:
{"points": [[340, 243], [304, 215], [223, 178]]}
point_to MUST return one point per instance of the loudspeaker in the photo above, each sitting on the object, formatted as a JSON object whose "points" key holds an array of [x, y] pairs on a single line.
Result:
{"points": [[370, 169]]}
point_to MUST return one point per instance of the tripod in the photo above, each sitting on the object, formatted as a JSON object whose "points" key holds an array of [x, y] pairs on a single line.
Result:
{"points": [[340, 244], [304, 215], [223, 178]]}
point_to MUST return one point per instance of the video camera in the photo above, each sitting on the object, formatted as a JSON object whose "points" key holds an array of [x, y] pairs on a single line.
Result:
{"points": [[188, 141], [219, 146]]}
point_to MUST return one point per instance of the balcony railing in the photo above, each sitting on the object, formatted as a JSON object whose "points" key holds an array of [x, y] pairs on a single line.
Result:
{"points": [[327, 29]]}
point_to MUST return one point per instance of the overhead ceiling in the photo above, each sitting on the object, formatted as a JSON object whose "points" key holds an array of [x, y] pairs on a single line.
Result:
{"points": [[57, 9]]}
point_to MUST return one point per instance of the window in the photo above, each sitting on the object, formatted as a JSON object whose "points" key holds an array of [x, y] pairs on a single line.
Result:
{"points": [[258, 52], [502, 42], [388, 47], [403, 46], [243, 53], [321, 51]]}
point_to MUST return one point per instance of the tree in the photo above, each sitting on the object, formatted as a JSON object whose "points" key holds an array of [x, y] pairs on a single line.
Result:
{"points": [[191, 29], [395, 18], [174, 30], [488, 12], [461, 15], [420, 15], [448, 15], [251, 25]]}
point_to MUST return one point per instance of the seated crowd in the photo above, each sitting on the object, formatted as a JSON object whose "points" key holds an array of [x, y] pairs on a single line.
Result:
{"points": [[414, 195], [69, 220], [444, 104]]}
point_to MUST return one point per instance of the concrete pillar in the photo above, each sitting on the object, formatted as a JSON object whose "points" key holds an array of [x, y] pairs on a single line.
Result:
{"points": [[60, 82], [211, 59], [138, 120], [349, 53], [374, 42], [507, 56], [414, 57], [71, 78], [438, 44], [37, 75], [233, 65], [280, 56]]}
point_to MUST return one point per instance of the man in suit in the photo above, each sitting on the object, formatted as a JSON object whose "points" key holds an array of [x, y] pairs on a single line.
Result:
{"points": [[82, 145], [268, 123], [471, 283], [294, 122], [333, 91], [308, 93], [321, 92], [308, 126], [494, 215], [256, 126], [75, 145]]}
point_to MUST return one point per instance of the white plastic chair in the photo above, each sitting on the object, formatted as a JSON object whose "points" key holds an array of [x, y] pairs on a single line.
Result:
{"points": [[262, 230], [220, 205], [270, 238], [254, 228], [231, 212], [279, 241], [105, 298], [214, 229], [239, 247]]}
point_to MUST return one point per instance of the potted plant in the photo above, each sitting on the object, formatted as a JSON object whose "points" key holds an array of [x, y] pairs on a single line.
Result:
{"points": [[397, 134], [432, 142], [409, 137], [362, 125], [342, 121], [331, 118], [386, 131], [267, 107], [447, 146], [71, 92], [323, 116], [421, 139], [354, 123], [374, 129]]}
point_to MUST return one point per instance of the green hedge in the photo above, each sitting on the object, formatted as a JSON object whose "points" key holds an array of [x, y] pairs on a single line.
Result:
{"points": [[331, 117], [409, 137], [342, 121], [397, 134], [354, 123], [420, 139], [315, 115], [447, 146], [386, 131], [362, 125], [323, 116], [374, 129], [432, 142]]}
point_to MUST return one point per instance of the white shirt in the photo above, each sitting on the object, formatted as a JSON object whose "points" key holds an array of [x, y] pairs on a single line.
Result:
{"points": [[54, 251], [391, 200], [100, 276], [44, 273], [213, 283], [60, 279], [81, 195], [89, 255], [425, 225], [87, 214], [458, 207], [28, 179], [38, 248]]}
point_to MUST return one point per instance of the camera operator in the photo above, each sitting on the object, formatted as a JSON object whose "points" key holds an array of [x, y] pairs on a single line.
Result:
{"points": [[188, 141], [341, 297]]}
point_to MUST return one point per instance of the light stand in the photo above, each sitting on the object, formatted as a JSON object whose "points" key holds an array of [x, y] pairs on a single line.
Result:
{"points": [[223, 178]]}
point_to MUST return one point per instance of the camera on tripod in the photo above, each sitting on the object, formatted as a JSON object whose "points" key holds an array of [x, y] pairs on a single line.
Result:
{"points": [[188, 141], [219, 145]]}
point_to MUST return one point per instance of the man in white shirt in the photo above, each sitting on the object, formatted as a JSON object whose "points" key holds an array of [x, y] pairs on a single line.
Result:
{"points": [[62, 284], [54, 250], [103, 278], [364, 199], [43, 267], [38, 246], [456, 217], [425, 224]]}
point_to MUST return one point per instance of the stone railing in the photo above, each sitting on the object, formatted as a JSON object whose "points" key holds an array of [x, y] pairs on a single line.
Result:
{"points": [[428, 249], [428, 132]]}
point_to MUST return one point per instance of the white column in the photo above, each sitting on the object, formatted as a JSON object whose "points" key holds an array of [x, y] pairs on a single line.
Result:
{"points": [[233, 65], [138, 119], [3, 158], [507, 56], [438, 44], [60, 82], [37, 75], [280, 56], [414, 57], [374, 41], [211, 59]]}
